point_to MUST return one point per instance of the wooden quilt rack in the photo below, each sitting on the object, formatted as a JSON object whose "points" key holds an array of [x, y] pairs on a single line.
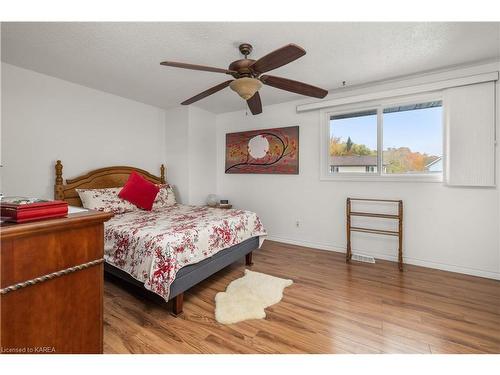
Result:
{"points": [[398, 233]]}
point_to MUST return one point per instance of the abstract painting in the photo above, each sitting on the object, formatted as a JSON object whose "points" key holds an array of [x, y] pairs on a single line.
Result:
{"points": [[274, 151]]}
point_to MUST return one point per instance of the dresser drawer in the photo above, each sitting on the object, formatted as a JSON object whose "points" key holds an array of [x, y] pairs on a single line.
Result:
{"points": [[62, 315], [43, 253]]}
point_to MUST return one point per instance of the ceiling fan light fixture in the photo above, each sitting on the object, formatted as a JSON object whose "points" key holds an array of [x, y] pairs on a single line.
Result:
{"points": [[245, 87]]}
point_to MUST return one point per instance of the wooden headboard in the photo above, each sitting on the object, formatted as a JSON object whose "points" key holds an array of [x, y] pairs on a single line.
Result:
{"points": [[108, 177]]}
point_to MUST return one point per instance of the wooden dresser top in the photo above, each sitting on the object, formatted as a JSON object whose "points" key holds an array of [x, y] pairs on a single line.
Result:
{"points": [[10, 230]]}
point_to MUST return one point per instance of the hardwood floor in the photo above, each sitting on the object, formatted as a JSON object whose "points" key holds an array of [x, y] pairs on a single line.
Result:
{"points": [[331, 308]]}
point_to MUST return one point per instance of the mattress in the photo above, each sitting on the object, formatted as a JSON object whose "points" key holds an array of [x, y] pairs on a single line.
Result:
{"points": [[153, 246]]}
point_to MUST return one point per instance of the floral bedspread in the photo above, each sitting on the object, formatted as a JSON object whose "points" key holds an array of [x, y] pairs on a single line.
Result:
{"points": [[152, 246]]}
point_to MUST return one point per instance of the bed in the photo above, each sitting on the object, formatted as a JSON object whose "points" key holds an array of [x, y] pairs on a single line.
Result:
{"points": [[166, 252]]}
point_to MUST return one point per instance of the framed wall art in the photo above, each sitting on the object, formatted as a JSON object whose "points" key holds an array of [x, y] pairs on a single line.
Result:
{"points": [[272, 151]]}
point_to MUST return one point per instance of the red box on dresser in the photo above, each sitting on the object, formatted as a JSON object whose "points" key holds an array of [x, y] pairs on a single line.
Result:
{"points": [[22, 210]]}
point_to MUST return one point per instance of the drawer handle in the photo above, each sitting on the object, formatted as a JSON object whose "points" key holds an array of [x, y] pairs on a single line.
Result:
{"points": [[50, 276]]}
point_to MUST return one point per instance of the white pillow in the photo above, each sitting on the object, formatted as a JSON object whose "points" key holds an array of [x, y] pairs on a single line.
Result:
{"points": [[165, 197], [105, 200]]}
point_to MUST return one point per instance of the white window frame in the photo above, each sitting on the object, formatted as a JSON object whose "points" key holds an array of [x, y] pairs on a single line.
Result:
{"points": [[379, 105]]}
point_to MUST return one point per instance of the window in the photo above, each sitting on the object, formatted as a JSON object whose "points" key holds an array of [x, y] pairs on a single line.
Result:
{"points": [[413, 141], [353, 142], [386, 140]]}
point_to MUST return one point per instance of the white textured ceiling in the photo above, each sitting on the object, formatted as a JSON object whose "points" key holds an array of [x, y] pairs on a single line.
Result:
{"points": [[123, 58]]}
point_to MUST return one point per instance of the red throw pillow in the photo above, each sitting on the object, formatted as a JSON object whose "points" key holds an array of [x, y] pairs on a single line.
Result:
{"points": [[139, 191]]}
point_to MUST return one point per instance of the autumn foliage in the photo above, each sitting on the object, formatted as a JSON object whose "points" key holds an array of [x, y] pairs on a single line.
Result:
{"points": [[395, 160], [339, 148]]}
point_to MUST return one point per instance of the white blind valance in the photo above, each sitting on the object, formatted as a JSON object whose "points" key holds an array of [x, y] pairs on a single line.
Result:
{"points": [[410, 87]]}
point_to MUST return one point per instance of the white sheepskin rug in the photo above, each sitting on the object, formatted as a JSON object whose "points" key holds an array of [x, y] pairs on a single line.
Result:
{"points": [[247, 297]]}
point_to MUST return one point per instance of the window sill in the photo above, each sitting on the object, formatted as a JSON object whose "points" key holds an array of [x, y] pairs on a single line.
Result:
{"points": [[378, 178]]}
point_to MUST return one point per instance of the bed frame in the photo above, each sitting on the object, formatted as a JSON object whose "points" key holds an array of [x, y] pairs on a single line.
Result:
{"points": [[188, 276]]}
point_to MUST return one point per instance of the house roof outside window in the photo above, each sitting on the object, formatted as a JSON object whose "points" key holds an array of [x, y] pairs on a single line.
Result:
{"points": [[353, 161]]}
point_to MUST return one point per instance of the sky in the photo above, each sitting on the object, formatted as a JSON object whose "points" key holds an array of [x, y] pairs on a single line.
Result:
{"points": [[420, 130]]}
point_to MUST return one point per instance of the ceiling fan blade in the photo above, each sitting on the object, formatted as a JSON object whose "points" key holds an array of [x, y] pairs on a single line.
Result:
{"points": [[255, 104], [204, 94], [293, 86], [280, 57], [196, 67]]}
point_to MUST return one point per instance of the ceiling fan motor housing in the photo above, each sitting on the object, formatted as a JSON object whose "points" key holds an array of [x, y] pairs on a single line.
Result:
{"points": [[242, 67]]}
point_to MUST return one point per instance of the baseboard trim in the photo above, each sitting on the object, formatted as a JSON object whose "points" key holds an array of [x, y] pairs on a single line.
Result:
{"points": [[407, 260]]}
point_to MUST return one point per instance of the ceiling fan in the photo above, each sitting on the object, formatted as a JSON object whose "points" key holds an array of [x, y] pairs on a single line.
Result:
{"points": [[248, 78]]}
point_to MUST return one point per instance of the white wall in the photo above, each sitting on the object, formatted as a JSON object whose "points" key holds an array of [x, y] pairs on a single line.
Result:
{"points": [[45, 119], [449, 228], [1, 108], [176, 151], [202, 155], [190, 151]]}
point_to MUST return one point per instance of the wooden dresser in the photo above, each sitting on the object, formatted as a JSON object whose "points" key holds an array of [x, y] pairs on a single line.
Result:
{"points": [[51, 284]]}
